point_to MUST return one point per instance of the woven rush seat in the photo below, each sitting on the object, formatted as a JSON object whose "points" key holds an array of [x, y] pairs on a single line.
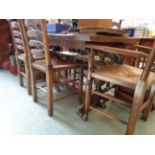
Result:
{"points": [[21, 57], [128, 75], [57, 63]]}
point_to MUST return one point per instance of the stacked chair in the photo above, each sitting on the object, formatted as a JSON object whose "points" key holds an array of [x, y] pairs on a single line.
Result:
{"points": [[140, 81], [41, 59]]}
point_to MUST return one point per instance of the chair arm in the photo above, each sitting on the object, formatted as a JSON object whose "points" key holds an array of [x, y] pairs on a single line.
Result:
{"points": [[116, 50], [144, 49]]}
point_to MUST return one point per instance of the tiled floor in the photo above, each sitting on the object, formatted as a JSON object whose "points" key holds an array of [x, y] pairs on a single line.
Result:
{"points": [[19, 115]]}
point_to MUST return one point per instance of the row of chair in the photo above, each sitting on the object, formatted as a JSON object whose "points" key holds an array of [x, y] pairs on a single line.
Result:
{"points": [[33, 51], [124, 76]]}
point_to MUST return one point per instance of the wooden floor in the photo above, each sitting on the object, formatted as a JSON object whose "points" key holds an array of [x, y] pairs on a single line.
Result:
{"points": [[19, 115]]}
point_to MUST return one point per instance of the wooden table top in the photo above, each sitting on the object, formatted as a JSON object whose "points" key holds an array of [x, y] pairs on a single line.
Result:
{"points": [[91, 37]]}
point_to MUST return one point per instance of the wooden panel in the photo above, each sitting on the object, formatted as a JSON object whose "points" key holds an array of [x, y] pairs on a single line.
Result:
{"points": [[91, 38], [147, 42], [95, 22]]}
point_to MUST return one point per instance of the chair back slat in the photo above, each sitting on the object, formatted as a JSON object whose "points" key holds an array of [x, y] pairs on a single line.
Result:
{"points": [[36, 44], [15, 25], [16, 33], [35, 34], [32, 23], [17, 38], [34, 37]]}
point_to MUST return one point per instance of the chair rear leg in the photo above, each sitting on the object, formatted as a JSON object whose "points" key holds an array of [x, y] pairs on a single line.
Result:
{"points": [[66, 73], [34, 88], [80, 84], [135, 110], [74, 76], [28, 77], [29, 89], [57, 81], [21, 81]]}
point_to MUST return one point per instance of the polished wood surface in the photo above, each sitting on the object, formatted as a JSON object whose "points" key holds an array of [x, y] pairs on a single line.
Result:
{"points": [[89, 37], [147, 42], [95, 22]]}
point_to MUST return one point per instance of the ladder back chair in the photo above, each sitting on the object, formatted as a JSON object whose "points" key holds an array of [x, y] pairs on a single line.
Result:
{"points": [[38, 43], [142, 81], [22, 56]]}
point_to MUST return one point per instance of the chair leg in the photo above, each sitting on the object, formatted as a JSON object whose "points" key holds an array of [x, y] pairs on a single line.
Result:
{"points": [[89, 85], [34, 88], [57, 80], [49, 77], [66, 73], [29, 89], [80, 84], [87, 99], [28, 76], [74, 77], [116, 91], [21, 82], [151, 98], [135, 110]]}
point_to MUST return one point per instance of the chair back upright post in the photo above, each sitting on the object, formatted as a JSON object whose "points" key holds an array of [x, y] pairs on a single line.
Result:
{"points": [[24, 36], [49, 72], [27, 56], [48, 55], [149, 64]]}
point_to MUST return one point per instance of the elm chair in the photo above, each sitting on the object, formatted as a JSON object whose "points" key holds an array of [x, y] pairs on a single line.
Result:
{"points": [[140, 81], [22, 56], [38, 44]]}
